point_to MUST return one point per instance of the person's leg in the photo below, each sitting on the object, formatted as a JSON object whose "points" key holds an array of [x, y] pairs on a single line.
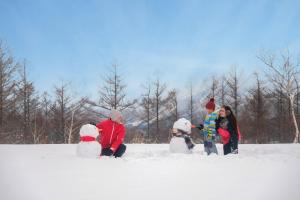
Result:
{"points": [[235, 143], [210, 147], [214, 148], [227, 148], [106, 152], [120, 151], [206, 147]]}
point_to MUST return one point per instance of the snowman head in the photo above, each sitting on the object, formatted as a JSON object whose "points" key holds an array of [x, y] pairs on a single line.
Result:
{"points": [[89, 130], [183, 125]]}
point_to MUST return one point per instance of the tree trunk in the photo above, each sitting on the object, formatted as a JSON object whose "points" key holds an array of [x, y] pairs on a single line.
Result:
{"points": [[71, 128], [296, 139]]}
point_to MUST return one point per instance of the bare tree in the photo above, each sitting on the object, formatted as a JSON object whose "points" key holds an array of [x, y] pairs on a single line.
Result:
{"points": [[172, 104], [75, 123], [191, 102], [37, 130], [214, 88], [45, 106], [257, 110], [26, 93], [112, 95], [158, 102], [233, 86], [297, 96], [7, 84], [59, 112], [146, 104], [283, 75], [222, 90]]}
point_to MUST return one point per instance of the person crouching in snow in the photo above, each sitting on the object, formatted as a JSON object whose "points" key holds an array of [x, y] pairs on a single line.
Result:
{"points": [[112, 134], [181, 141], [88, 146], [209, 128]]}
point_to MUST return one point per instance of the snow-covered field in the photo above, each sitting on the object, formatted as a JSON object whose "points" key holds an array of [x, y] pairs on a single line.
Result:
{"points": [[53, 172]]}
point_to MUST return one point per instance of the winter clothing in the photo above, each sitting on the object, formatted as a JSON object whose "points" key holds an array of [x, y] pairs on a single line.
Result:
{"points": [[234, 136], [200, 126], [87, 139], [107, 152], [221, 127], [112, 134], [211, 104], [119, 152], [210, 147], [229, 136], [209, 126], [188, 141], [209, 132], [186, 136], [116, 116]]}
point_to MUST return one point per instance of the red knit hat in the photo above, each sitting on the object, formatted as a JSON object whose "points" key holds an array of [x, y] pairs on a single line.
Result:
{"points": [[211, 104]]}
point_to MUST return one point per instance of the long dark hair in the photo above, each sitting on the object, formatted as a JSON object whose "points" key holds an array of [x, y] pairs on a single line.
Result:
{"points": [[231, 118]]}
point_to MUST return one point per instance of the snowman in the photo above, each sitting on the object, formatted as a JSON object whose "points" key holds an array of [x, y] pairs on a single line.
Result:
{"points": [[181, 141], [88, 146]]}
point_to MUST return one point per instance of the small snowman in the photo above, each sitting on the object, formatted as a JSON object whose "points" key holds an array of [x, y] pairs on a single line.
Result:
{"points": [[181, 141], [88, 146]]}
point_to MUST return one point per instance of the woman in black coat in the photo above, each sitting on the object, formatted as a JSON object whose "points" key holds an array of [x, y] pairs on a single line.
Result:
{"points": [[228, 123]]}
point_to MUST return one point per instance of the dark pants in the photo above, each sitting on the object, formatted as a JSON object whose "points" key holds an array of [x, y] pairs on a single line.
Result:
{"points": [[227, 148], [118, 153], [234, 142]]}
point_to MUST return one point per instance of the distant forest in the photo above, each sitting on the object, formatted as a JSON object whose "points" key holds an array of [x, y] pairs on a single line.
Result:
{"points": [[267, 111]]}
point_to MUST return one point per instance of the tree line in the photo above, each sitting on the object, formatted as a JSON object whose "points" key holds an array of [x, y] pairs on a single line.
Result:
{"points": [[267, 110]]}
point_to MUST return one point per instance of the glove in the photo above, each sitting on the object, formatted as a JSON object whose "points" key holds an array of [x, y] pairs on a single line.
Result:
{"points": [[200, 126], [107, 152]]}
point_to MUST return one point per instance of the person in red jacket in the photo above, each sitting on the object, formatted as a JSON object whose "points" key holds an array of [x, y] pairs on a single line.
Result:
{"points": [[112, 134]]}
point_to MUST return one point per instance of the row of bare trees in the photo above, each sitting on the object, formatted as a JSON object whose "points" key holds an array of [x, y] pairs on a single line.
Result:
{"points": [[266, 104], [267, 109]]}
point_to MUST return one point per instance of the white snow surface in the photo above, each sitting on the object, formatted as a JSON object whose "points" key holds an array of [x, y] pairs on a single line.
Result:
{"points": [[54, 172]]}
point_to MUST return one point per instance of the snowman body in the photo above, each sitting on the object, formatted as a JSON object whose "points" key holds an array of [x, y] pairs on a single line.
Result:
{"points": [[178, 143], [88, 146]]}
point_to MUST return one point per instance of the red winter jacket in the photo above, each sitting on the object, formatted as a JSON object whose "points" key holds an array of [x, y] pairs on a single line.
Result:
{"points": [[112, 134], [226, 135]]}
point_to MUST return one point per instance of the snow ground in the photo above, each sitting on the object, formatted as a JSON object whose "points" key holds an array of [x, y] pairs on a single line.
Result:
{"points": [[53, 172]]}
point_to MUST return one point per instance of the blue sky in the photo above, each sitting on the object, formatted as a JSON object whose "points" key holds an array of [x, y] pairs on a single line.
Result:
{"points": [[77, 41]]}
